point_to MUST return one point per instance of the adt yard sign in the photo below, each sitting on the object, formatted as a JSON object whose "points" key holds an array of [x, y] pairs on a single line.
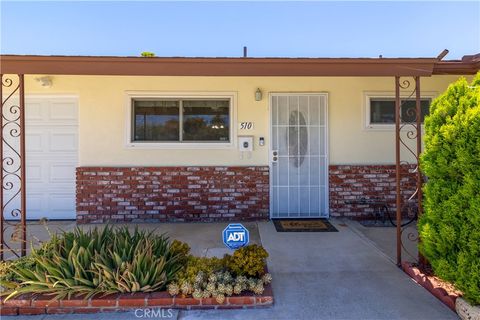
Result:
{"points": [[235, 236]]}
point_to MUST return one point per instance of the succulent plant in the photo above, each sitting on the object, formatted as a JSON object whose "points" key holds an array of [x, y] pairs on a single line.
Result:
{"points": [[197, 286], [258, 289], [228, 289], [219, 276], [227, 277], [237, 288], [195, 265], [173, 289], [251, 283], [241, 279], [186, 288], [267, 278], [197, 294], [249, 260], [211, 286], [199, 277], [117, 260], [220, 298], [212, 278], [98, 261], [181, 248], [221, 288]]}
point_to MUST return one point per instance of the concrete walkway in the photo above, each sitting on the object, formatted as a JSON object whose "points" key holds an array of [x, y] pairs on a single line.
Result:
{"points": [[336, 275], [385, 239]]}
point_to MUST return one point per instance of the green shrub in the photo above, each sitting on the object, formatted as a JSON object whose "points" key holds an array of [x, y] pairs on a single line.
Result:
{"points": [[7, 267], [249, 260], [200, 265], [99, 262], [450, 225], [181, 249], [7, 273], [147, 54]]}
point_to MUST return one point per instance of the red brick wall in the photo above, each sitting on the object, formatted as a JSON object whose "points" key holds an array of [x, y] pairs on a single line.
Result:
{"points": [[158, 194], [350, 182]]}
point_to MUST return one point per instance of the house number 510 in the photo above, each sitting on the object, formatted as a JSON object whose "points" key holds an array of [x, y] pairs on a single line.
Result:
{"points": [[246, 125]]}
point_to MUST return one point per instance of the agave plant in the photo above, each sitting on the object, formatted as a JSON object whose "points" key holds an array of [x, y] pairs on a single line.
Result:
{"points": [[99, 261]]}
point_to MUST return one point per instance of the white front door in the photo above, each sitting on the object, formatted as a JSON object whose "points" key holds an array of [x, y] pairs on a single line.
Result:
{"points": [[51, 156], [298, 156]]}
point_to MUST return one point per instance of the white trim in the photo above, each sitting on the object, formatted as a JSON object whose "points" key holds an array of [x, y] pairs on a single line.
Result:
{"points": [[232, 95], [327, 150], [367, 95]]}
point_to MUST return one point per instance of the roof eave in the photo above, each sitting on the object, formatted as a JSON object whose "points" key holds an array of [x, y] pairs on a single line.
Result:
{"points": [[138, 66], [456, 68]]}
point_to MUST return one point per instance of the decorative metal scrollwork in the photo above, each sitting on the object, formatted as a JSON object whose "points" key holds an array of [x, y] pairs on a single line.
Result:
{"points": [[408, 139], [12, 168]]}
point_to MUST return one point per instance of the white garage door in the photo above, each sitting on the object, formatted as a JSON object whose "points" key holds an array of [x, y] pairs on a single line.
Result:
{"points": [[52, 156]]}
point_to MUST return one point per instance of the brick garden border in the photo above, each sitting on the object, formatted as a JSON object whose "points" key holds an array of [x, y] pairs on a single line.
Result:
{"points": [[423, 280], [30, 304]]}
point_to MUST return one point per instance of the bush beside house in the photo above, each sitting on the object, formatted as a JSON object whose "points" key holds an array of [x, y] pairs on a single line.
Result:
{"points": [[450, 225]]}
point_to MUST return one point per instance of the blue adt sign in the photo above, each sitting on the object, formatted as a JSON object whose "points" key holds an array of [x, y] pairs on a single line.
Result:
{"points": [[235, 236]]}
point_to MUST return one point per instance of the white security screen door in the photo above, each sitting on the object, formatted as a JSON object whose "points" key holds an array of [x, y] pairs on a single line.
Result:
{"points": [[298, 156]]}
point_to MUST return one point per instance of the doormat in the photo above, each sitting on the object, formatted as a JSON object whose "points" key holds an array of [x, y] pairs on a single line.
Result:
{"points": [[303, 225]]}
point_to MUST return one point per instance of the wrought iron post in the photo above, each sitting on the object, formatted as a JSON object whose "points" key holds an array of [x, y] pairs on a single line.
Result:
{"points": [[397, 169], [12, 168], [1, 169], [418, 108], [411, 124]]}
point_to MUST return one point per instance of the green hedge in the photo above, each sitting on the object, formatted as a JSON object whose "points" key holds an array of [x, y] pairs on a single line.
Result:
{"points": [[450, 225]]}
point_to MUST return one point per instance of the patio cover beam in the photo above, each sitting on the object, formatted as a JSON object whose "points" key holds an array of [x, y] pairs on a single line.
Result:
{"points": [[159, 66]]}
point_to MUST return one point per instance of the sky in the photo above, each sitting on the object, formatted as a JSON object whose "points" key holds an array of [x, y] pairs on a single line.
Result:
{"points": [[221, 29]]}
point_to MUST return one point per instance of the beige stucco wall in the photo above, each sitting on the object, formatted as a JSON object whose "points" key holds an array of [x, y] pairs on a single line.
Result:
{"points": [[103, 114]]}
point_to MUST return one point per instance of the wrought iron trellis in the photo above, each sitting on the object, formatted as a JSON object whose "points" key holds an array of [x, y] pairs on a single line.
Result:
{"points": [[408, 131], [12, 167]]}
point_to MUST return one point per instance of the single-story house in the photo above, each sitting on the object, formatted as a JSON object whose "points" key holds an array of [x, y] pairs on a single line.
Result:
{"points": [[137, 139]]}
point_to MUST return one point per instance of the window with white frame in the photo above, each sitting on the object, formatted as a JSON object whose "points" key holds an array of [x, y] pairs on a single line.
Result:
{"points": [[380, 111], [189, 120]]}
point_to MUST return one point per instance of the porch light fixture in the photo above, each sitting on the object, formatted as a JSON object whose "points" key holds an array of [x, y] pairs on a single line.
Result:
{"points": [[258, 95], [45, 82]]}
